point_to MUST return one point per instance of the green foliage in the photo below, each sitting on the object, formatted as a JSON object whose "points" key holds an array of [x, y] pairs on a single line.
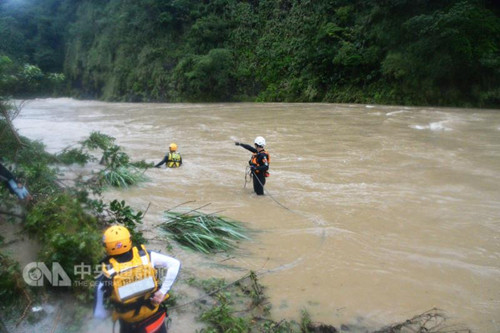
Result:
{"points": [[119, 171], [125, 215], [27, 79], [206, 233], [412, 52], [54, 215], [59, 219], [222, 319], [121, 177], [68, 234], [440, 55], [241, 306], [75, 155], [34, 31], [31, 160], [208, 285], [142, 164], [7, 79], [98, 140], [12, 285], [31, 74], [113, 157], [206, 78]]}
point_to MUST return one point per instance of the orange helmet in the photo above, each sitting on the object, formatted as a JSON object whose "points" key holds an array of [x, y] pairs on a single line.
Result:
{"points": [[173, 147], [116, 240]]}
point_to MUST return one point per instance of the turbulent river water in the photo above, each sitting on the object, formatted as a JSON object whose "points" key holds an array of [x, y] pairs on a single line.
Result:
{"points": [[373, 214]]}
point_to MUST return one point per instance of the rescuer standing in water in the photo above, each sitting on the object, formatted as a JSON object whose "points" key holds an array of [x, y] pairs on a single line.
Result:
{"points": [[173, 159], [259, 163]]}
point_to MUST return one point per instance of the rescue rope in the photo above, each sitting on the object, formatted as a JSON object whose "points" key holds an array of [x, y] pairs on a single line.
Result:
{"points": [[213, 291], [250, 274], [249, 173]]}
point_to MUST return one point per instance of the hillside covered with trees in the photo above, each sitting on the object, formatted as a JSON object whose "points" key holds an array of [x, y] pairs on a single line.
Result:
{"points": [[408, 52]]}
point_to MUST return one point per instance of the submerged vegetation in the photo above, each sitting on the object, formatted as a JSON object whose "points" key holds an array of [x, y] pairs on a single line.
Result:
{"points": [[118, 171], [242, 306], [406, 52]]}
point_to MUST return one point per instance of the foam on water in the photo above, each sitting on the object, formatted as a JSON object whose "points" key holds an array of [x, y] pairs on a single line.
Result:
{"points": [[435, 126]]}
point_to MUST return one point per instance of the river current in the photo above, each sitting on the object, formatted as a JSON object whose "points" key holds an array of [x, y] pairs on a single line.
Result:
{"points": [[372, 214]]}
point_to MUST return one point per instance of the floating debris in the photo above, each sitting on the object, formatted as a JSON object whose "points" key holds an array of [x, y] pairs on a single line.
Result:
{"points": [[206, 233]]}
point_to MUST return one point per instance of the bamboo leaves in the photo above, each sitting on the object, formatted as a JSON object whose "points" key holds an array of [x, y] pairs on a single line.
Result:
{"points": [[206, 233], [121, 176]]}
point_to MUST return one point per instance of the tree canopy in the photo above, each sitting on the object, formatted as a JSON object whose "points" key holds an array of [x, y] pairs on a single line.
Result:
{"points": [[381, 51]]}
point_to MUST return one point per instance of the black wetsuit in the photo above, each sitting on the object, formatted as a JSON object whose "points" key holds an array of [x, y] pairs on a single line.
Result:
{"points": [[259, 168]]}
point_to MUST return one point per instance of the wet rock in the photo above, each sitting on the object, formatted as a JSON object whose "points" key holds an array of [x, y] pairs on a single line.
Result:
{"points": [[321, 328]]}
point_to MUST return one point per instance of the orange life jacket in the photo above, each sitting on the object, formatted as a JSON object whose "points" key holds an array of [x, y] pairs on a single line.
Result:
{"points": [[266, 159]]}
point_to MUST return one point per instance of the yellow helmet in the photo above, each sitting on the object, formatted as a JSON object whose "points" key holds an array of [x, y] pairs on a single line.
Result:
{"points": [[116, 240], [173, 147]]}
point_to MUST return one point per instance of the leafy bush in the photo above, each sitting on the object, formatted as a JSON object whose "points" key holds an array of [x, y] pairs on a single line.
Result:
{"points": [[32, 162], [98, 140], [75, 155], [125, 215], [222, 319], [12, 284], [119, 171], [142, 164], [68, 234]]}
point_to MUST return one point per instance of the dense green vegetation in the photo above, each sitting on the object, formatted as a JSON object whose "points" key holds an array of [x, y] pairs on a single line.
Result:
{"points": [[383, 51], [65, 219]]}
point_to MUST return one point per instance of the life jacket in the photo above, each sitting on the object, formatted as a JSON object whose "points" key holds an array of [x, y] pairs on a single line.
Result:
{"points": [[254, 160], [174, 160], [133, 284]]}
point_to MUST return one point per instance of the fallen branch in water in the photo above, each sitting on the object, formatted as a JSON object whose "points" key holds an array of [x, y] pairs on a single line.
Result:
{"points": [[213, 292], [429, 321]]}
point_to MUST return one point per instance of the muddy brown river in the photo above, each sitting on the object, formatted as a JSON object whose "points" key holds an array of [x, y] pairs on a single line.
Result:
{"points": [[372, 214]]}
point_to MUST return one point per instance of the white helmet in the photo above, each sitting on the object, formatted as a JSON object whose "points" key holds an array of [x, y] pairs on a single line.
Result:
{"points": [[260, 141]]}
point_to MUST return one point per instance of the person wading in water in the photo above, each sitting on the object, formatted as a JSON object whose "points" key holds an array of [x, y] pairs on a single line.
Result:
{"points": [[130, 279], [259, 163], [172, 158]]}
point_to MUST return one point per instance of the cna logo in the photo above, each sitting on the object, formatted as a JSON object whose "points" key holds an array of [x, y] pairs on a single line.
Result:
{"points": [[34, 273]]}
